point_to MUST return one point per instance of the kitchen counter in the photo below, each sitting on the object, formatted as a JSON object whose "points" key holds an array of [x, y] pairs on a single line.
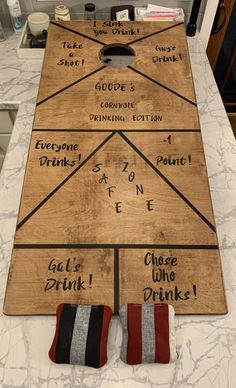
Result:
{"points": [[206, 344]]}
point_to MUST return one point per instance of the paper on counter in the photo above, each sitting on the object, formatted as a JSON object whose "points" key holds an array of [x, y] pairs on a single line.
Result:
{"points": [[122, 15], [158, 8], [158, 13]]}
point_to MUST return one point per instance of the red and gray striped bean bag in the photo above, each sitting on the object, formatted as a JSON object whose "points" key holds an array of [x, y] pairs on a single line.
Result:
{"points": [[81, 335], [148, 333]]}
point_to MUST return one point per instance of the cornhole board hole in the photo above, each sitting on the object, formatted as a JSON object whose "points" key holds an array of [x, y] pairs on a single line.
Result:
{"points": [[115, 205]]}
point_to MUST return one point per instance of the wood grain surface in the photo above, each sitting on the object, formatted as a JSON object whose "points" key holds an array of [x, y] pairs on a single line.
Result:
{"points": [[115, 205]]}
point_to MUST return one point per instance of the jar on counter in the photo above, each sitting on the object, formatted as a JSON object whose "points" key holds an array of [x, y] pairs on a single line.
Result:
{"points": [[62, 13], [89, 11]]}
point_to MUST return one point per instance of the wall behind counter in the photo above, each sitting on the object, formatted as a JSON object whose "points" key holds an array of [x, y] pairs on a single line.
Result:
{"points": [[102, 7]]}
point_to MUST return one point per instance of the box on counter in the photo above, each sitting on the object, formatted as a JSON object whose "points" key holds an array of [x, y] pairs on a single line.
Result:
{"points": [[23, 48]]}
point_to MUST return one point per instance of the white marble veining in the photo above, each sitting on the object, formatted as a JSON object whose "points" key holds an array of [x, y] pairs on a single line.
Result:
{"points": [[206, 344]]}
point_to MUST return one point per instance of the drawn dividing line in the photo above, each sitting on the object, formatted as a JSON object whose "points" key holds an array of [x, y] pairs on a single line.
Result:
{"points": [[64, 181], [70, 85], [163, 86], [78, 33], [168, 182], [117, 130], [115, 246], [116, 281], [74, 130], [154, 33], [159, 130]]}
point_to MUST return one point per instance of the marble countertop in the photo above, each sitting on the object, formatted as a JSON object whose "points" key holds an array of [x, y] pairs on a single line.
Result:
{"points": [[206, 344]]}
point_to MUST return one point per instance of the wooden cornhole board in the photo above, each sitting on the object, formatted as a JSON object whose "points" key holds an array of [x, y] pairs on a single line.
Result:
{"points": [[115, 205]]}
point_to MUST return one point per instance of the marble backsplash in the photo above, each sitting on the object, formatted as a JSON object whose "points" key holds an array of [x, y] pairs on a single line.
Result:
{"points": [[102, 7]]}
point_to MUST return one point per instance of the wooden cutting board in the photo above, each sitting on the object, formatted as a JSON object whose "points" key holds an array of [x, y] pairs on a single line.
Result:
{"points": [[116, 206]]}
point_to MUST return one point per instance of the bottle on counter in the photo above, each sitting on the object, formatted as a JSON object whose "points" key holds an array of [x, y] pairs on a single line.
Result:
{"points": [[2, 34], [62, 13], [89, 12], [16, 15]]}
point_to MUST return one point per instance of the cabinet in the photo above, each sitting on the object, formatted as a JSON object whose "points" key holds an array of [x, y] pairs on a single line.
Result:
{"points": [[7, 118], [216, 41], [221, 52]]}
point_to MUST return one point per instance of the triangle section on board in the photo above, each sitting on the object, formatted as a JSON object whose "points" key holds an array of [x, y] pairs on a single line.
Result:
{"points": [[116, 99], [164, 57], [51, 159], [68, 58], [107, 32], [116, 198], [180, 157]]}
